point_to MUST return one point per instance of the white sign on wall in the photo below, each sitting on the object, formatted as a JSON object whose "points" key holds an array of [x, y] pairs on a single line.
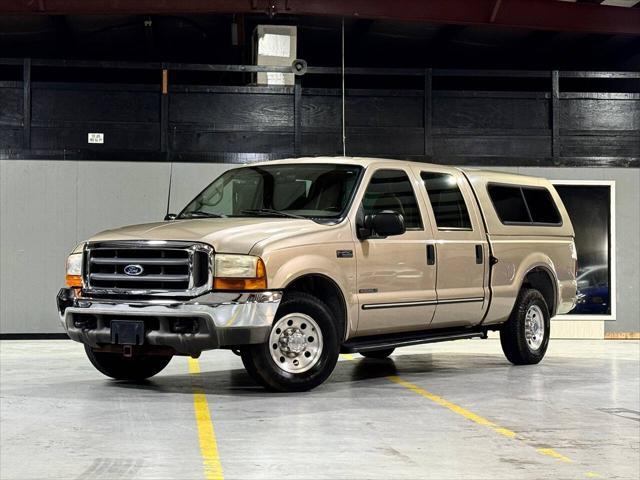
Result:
{"points": [[96, 138], [272, 45]]}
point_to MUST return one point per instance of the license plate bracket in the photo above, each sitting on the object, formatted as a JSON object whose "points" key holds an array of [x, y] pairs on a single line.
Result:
{"points": [[127, 332]]}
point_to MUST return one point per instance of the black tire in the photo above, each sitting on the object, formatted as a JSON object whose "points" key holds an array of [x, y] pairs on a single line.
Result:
{"points": [[264, 370], [378, 353], [117, 366], [512, 334]]}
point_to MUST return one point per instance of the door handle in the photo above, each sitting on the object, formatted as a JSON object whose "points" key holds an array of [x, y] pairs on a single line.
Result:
{"points": [[431, 254], [479, 254]]}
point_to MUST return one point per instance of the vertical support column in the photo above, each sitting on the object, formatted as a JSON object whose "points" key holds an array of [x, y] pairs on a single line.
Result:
{"points": [[428, 113], [555, 113], [164, 112], [26, 107], [297, 116]]}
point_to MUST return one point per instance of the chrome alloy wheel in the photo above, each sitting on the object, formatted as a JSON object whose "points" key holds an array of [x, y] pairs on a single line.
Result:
{"points": [[295, 343], [534, 327]]}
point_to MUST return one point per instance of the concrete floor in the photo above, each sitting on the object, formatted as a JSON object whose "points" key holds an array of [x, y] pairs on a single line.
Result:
{"points": [[450, 413]]}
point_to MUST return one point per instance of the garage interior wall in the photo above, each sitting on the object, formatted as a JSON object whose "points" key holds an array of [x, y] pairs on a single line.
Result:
{"points": [[47, 207]]}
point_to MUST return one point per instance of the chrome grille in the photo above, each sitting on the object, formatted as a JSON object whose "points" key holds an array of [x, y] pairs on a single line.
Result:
{"points": [[171, 268]]}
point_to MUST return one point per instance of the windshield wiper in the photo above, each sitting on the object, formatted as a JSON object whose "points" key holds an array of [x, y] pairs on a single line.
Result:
{"points": [[201, 214], [271, 212]]}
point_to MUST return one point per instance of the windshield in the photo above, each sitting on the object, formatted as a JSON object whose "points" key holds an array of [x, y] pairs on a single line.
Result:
{"points": [[308, 190]]}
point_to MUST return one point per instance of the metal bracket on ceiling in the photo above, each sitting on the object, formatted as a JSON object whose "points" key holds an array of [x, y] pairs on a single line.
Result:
{"points": [[271, 7]]}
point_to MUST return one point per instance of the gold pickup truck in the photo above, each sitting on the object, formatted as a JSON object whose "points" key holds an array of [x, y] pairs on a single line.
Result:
{"points": [[288, 263]]}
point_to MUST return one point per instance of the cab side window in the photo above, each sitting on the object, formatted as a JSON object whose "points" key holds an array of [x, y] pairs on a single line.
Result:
{"points": [[391, 190], [446, 199]]}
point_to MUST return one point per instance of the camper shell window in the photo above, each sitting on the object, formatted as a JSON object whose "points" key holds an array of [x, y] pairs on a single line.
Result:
{"points": [[524, 205]]}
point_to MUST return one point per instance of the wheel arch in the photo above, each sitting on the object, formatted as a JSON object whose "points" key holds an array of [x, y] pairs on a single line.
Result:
{"points": [[540, 277], [326, 289]]}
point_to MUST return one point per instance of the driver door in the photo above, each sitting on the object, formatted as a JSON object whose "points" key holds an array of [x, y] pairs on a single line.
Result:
{"points": [[395, 283]]}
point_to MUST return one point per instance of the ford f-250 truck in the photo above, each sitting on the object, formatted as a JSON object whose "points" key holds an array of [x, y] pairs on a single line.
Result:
{"points": [[290, 262]]}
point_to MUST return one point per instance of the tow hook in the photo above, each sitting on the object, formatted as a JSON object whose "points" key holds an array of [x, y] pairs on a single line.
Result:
{"points": [[127, 351]]}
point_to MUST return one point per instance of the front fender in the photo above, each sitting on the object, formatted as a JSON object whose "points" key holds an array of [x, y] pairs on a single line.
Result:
{"points": [[287, 265]]}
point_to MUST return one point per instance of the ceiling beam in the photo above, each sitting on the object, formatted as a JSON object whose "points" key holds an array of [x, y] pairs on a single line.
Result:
{"points": [[530, 14]]}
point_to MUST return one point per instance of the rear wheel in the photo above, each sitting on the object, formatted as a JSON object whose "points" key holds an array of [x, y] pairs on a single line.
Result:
{"points": [[525, 336], [384, 353], [302, 350], [117, 366]]}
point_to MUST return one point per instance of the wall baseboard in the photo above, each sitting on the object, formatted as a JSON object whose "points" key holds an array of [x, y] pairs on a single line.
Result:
{"points": [[622, 336], [573, 329], [584, 329]]}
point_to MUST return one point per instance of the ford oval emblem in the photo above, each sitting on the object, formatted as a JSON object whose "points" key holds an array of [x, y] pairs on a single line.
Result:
{"points": [[133, 270]]}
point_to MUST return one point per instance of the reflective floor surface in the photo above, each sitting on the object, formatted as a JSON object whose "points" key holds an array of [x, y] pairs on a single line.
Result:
{"points": [[451, 410]]}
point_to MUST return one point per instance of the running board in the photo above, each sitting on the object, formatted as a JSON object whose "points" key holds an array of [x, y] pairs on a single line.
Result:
{"points": [[380, 342]]}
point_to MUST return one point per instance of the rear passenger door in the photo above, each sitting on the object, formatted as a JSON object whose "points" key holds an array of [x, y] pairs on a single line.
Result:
{"points": [[461, 248]]}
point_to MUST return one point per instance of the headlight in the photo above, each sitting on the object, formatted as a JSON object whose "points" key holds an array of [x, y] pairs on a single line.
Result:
{"points": [[239, 272], [74, 270]]}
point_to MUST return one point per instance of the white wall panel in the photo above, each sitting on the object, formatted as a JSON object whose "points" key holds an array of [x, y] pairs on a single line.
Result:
{"points": [[113, 194], [48, 207], [38, 212]]}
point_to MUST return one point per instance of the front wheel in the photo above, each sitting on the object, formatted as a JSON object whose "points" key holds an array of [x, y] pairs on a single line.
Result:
{"points": [[302, 350], [118, 366], [525, 336]]}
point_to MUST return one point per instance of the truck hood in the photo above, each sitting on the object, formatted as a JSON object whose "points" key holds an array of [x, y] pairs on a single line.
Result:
{"points": [[230, 235]]}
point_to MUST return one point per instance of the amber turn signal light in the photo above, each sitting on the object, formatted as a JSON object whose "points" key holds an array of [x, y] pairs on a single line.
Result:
{"points": [[240, 284], [74, 281]]}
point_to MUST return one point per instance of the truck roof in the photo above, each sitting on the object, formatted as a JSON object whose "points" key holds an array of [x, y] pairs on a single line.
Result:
{"points": [[477, 173], [363, 161]]}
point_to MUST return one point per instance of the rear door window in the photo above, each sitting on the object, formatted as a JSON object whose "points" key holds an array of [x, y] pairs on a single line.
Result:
{"points": [[447, 202]]}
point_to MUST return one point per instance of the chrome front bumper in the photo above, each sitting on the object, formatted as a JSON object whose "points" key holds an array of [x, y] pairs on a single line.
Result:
{"points": [[221, 319]]}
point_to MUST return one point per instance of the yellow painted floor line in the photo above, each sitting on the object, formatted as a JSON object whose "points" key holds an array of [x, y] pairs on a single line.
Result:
{"points": [[206, 433], [454, 408], [550, 452], [346, 356]]}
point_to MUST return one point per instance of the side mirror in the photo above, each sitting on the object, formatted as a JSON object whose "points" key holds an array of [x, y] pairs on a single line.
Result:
{"points": [[170, 216], [388, 223], [383, 224]]}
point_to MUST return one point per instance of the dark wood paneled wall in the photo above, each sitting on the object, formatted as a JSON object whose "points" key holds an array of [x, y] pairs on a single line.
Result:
{"points": [[237, 124]]}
